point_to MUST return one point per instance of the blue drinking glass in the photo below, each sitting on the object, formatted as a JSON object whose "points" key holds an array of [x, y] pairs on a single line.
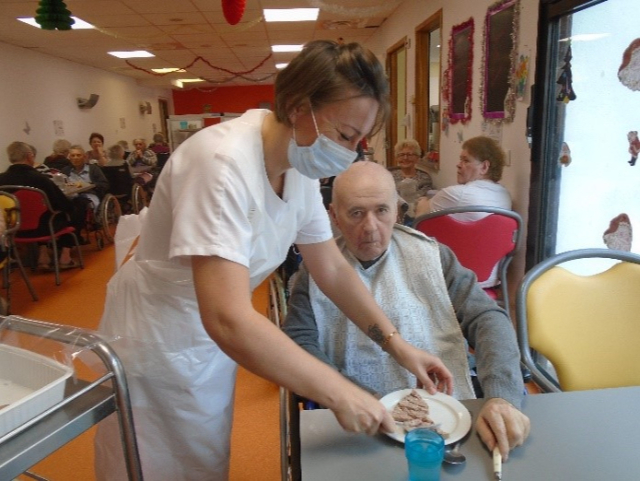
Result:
{"points": [[424, 450]]}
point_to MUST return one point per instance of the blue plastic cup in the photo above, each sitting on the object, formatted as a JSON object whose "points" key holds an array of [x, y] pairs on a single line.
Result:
{"points": [[424, 450]]}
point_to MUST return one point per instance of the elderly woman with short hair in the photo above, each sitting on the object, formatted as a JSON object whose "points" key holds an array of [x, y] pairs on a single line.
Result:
{"points": [[411, 183], [479, 170]]}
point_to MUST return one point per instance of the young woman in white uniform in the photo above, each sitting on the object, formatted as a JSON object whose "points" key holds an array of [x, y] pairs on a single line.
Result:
{"points": [[225, 210]]}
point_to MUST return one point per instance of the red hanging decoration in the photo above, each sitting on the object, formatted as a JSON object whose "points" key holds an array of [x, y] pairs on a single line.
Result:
{"points": [[233, 10]]}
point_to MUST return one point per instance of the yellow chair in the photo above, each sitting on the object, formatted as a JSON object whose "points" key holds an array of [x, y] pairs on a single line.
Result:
{"points": [[587, 327], [10, 208]]}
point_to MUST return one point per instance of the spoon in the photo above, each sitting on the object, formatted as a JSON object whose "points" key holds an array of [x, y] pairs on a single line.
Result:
{"points": [[453, 455]]}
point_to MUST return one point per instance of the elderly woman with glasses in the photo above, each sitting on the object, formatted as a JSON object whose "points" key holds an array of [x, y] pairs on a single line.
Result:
{"points": [[411, 183]]}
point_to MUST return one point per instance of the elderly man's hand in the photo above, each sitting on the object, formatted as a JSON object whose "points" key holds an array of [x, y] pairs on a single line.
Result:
{"points": [[501, 423]]}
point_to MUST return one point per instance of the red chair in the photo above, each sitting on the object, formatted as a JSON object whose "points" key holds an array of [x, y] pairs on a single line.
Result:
{"points": [[481, 245], [33, 205]]}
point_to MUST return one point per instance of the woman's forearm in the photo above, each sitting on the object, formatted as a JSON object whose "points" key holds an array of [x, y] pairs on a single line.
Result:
{"points": [[340, 283], [254, 342]]}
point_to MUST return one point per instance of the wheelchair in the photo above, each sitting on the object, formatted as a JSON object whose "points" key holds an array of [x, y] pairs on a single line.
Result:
{"points": [[103, 221], [131, 195]]}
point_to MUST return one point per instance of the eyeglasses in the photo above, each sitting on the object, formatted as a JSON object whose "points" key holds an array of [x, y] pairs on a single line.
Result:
{"points": [[406, 155]]}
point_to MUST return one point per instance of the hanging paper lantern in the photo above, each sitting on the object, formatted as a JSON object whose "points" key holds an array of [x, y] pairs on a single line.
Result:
{"points": [[233, 10], [54, 15]]}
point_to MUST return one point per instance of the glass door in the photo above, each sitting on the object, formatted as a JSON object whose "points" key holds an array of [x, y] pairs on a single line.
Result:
{"points": [[584, 181]]}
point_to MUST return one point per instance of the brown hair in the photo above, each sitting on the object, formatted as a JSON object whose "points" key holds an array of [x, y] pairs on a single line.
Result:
{"points": [[485, 148], [97, 136], [323, 72]]}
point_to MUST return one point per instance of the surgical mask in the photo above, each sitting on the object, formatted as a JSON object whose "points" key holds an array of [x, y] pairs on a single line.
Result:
{"points": [[323, 158]]}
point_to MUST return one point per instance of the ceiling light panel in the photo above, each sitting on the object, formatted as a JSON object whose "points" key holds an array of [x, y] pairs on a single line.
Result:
{"points": [[291, 14], [132, 54], [79, 24], [286, 48]]}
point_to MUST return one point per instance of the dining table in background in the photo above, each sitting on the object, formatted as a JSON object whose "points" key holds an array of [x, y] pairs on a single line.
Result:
{"points": [[581, 435], [70, 190]]}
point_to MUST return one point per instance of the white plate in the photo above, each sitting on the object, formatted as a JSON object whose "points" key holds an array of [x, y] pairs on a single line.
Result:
{"points": [[452, 416]]}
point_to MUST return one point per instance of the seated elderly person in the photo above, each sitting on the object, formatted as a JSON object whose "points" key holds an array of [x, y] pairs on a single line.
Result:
{"points": [[434, 302], [83, 172], [159, 145], [411, 183], [22, 172], [479, 171], [117, 155], [59, 158], [96, 155], [142, 158]]}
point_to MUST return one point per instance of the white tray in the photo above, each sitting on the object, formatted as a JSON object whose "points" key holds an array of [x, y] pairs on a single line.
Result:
{"points": [[29, 385]]}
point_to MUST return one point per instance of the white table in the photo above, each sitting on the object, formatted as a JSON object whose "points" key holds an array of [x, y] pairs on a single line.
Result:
{"points": [[577, 436]]}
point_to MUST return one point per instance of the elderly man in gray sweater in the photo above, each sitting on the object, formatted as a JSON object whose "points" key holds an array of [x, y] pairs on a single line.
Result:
{"points": [[434, 302]]}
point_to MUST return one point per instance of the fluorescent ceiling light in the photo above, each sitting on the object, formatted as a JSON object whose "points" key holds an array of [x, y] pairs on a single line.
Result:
{"points": [[286, 48], [168, 70], [280, 66], [185, 80], [132, 54], [78, 25], [291, 14]]}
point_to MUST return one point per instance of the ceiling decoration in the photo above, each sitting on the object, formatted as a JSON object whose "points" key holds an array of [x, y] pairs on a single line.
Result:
{"points": [[54, 15], [234, 75], [179, 31], [233, 10]]}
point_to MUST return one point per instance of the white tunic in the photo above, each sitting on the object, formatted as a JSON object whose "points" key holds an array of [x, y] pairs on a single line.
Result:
{"points": [[214, 199]]}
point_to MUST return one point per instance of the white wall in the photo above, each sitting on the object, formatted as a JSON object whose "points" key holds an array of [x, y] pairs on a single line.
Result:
{"points": [[37, 89], [403, 22]]}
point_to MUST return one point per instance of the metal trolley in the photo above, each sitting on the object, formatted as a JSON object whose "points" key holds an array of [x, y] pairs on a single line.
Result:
{"points": [[84, 404]]}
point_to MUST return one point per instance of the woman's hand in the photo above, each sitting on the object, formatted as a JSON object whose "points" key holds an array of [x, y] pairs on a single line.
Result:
{"points": [[501, 424], [431, 372], [360, 412]]}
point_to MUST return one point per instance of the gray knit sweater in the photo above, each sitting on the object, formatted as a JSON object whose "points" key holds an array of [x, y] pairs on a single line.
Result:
{"points": [[484, 324]]}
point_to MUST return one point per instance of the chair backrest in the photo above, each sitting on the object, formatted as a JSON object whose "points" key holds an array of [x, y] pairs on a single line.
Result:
{"points": [[33, 204], [10, 212], [120, 180], [162, 159], [10, 207], [479, 245], [588, 327]]}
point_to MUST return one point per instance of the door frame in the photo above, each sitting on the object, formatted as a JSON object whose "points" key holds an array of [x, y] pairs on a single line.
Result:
{"points": [[394, 77], [423, 85], [546, 172]]}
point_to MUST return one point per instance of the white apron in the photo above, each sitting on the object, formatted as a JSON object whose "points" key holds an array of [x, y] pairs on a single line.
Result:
{"points": [[177, 375]]}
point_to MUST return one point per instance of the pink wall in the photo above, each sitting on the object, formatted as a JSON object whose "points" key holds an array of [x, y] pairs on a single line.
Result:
{"points": [[222, 99]]}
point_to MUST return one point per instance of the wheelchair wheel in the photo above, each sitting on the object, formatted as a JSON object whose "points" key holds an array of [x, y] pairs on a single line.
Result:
{"points": [[110, 213], [138, 198]]}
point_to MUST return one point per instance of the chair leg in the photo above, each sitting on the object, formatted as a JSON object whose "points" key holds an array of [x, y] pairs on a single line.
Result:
{"points": [[23, 272], [80, 259], [56, 261]]}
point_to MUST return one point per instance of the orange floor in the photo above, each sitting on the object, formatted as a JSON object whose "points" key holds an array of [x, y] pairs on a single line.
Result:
{"points": [[78, 301]]}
